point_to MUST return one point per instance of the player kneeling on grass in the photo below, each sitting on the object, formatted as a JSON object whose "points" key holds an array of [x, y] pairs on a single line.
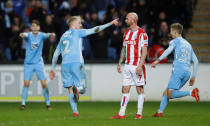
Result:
{"points": [[34, 61], [72, 68], [183, 54]]}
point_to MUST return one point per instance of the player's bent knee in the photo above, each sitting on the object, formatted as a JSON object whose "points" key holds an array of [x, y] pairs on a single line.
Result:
{"points": [[165, 93], [26, 83], [44, 84], [125, 89], [169, 93]]}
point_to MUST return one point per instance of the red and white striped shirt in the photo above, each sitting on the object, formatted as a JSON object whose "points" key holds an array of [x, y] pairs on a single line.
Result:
{"points": [[134, 41]]}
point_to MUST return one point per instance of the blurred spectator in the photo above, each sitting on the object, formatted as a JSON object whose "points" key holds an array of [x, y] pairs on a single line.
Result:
{"points": [[48, 25], [49, 48], [163, 30], [99, 43], [38, 12], [154, 18], [154, 52], [15, 40]]}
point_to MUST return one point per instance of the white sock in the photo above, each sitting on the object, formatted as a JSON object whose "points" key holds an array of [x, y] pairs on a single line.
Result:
{"points": [[140, 103], [124, 102], [159, 111]]}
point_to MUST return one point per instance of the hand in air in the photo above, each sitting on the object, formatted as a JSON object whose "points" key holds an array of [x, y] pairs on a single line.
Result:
{"points": [[115, 22]]}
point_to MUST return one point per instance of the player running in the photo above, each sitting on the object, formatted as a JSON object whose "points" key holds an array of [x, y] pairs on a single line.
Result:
{"points": [[183, 54], [34, 61], [134, 52], [72, 68]]}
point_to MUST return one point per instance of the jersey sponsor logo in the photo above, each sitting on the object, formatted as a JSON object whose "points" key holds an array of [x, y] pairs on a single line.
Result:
{"points": [[131, 42], [34, 45]]}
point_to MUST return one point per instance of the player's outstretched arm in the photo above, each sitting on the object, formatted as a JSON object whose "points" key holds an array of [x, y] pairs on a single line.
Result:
{"points": [[164, 55], [101, 27], [195, 66], [122, 57], [23, 34], [54, 61], [52, 35]]}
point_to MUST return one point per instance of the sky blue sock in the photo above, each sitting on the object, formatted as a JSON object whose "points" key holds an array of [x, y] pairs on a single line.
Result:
{"points": [[163, 103], [72, 102], [46, 96], [178, 94], [24, 95]]}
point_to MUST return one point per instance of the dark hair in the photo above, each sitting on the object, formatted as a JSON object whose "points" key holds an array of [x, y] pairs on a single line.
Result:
{"points": [[178, 27], [35, 22]]}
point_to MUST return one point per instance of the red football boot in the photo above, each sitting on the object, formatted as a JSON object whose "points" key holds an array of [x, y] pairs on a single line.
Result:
{"points": [[195, 94], [117, 117], [76, 114], [158, 114], [138, 116]]}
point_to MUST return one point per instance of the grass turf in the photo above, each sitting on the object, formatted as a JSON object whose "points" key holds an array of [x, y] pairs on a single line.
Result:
{"points": [[97, 114]]}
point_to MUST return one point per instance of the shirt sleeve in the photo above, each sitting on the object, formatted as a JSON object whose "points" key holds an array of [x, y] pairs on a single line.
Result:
{"points": [[172, 43], [144, 40], [46, 35], [93, 30], [166, 52], [195, 64], [55, 56], [25, 34]]}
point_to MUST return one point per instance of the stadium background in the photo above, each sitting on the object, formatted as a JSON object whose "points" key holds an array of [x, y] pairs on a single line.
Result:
{"points": [[101, 53]]}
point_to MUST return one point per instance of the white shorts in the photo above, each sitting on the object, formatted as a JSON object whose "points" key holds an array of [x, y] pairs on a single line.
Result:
{"points": [[131, 78]]}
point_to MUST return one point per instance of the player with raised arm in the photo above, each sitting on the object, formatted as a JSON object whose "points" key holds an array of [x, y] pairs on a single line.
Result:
{"points": [[134, 52], [72, 68], [34, 62], [183, 54]]}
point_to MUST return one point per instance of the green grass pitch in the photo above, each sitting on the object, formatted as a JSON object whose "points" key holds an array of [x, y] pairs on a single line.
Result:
{"points": [[97, 114]]}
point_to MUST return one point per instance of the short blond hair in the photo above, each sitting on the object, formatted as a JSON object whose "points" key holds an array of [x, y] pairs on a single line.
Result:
{"points": [[177, 27], [73, 18]]}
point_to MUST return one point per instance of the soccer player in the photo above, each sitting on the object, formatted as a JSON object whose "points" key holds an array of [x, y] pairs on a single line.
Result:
{"points": [[134, 52], [72, 68], [34, 62], [183, 54]]}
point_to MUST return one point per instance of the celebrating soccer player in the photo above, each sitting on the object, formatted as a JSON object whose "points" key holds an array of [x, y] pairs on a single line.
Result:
{"points": [[134, 52], [34, 62], [183, 54], [72, 69]]}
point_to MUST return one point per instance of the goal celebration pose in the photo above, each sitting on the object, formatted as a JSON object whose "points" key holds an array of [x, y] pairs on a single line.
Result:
{"points": [[183, 54]]}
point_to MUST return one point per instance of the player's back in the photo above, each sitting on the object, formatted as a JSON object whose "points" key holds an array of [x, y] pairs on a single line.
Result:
{"points": [[182, 54], [70, 46]]}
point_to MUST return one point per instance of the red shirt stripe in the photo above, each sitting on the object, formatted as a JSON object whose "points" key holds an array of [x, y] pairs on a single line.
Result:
{"points": [[128, 48], [136, 48]]}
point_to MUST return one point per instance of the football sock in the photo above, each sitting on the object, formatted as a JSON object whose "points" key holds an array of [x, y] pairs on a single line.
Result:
{"points": [[140, 103], [124, 102], [163, 104], [46, 96], [178, 94], [73, 103], [24, 95]]}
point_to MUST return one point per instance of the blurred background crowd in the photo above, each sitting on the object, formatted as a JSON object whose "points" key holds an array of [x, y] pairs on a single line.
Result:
{"points": [[155, 17]]}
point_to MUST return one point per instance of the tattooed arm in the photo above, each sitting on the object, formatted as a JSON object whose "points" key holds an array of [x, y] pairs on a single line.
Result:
{"points": [[122, 57]]}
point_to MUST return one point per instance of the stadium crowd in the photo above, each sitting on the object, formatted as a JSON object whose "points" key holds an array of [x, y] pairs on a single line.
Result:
{"points": [[154, 17]]}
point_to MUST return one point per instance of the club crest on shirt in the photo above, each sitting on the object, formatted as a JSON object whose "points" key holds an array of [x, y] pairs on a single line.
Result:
{"points": [[34, 45]]}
